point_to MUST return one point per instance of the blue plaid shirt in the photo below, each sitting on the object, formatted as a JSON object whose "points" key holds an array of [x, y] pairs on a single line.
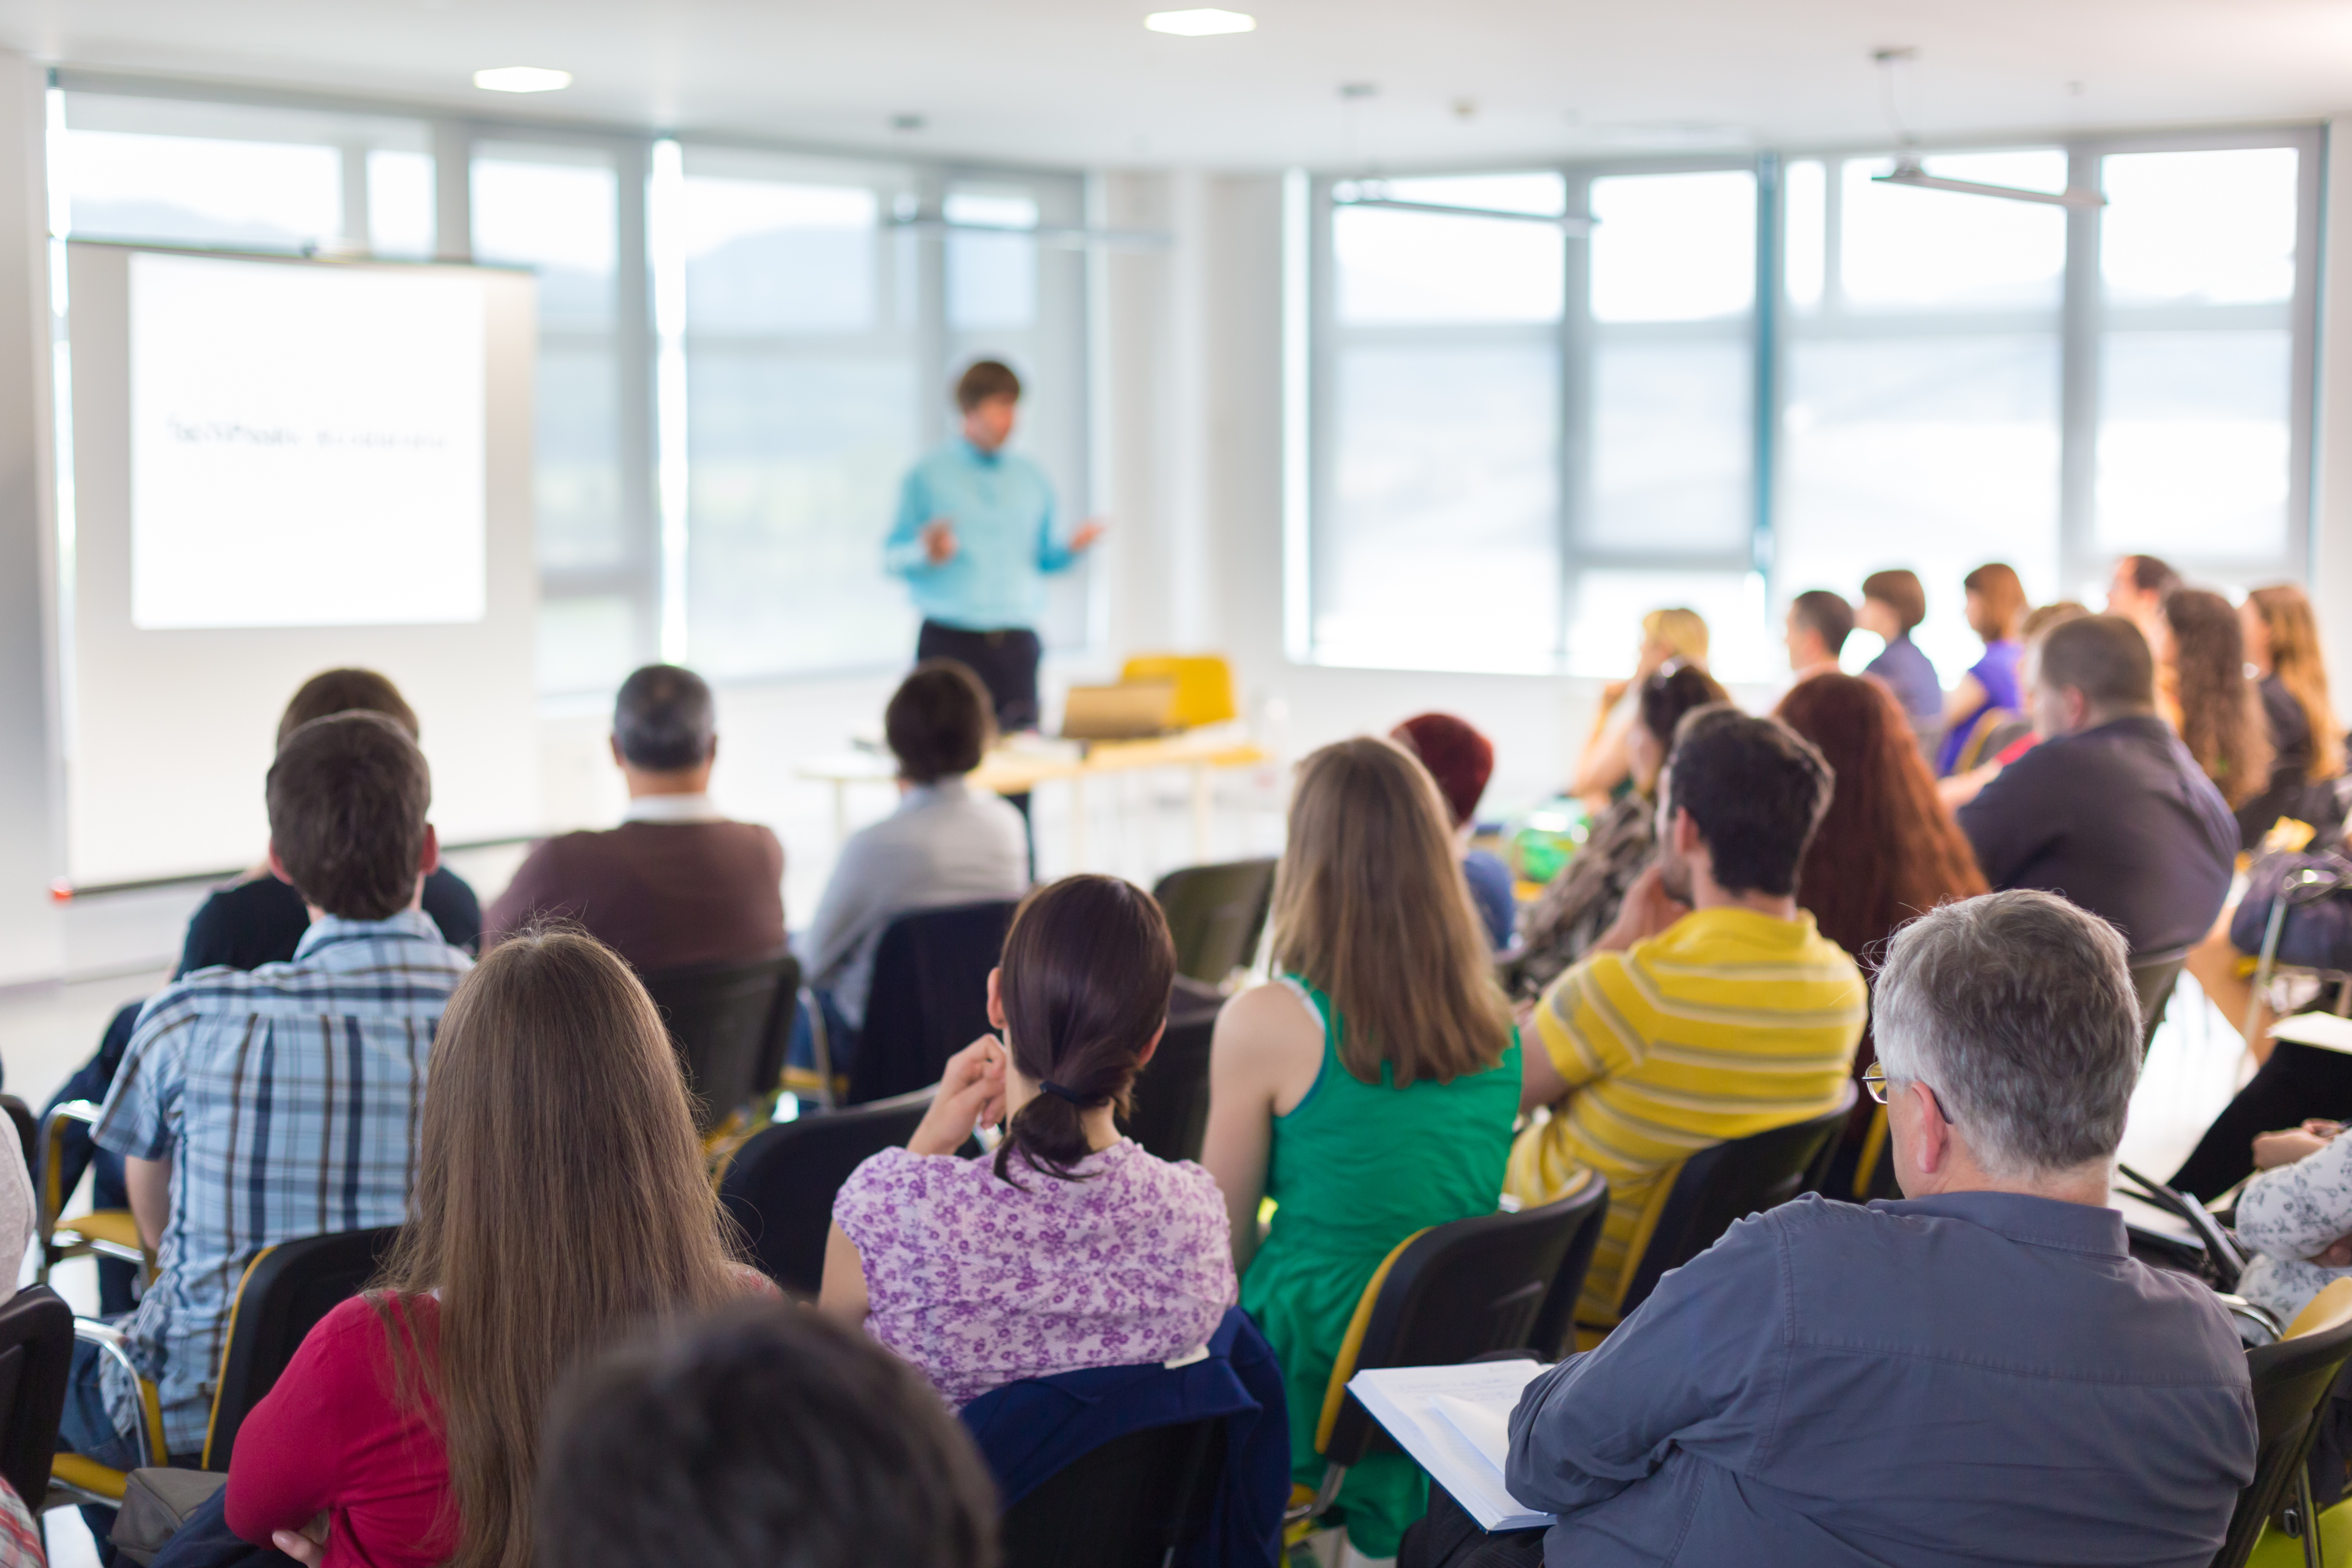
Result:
{"points": [[287, 1101]]}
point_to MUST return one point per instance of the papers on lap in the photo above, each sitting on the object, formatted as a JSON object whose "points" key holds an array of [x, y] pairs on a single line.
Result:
{"points": [[1455, 1423]]}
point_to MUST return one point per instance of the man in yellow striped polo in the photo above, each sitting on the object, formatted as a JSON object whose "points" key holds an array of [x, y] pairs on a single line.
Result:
{"points": [[1711, 1010]]}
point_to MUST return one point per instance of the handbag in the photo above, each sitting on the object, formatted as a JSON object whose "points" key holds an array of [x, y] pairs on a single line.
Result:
{"points": [[2303, 904]]}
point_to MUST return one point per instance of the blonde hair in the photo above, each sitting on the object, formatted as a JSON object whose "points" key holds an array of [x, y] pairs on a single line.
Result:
{"points": [[1684, 633], [2295, 660], [1370, 905]]}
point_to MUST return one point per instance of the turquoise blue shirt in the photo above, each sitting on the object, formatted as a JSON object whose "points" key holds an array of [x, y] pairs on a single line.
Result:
{"points": [[1003, 508]]}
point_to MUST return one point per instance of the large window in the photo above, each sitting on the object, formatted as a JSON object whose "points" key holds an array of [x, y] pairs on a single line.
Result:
{"points": [[714, 479], [1527, 433]]}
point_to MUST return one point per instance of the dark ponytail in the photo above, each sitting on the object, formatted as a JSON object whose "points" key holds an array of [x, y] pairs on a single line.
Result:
{"points": [[1087, 970]]}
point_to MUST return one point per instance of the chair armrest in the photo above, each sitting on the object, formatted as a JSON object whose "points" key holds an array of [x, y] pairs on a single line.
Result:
{"points": [[51, 1201], [111, 1343], [2261, 1319]]}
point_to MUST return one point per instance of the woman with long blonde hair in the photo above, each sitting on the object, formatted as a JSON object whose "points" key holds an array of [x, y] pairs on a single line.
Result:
{"points": [[1369, 1091], [560, 1204], [2282, 644]]}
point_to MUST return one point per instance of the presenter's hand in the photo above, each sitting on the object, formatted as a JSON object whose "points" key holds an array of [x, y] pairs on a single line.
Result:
{"points": [[939, 541], [1094, 528]]}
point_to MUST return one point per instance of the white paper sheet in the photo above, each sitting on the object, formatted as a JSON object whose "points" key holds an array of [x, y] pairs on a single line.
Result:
{"points": [[1455, 1423]]}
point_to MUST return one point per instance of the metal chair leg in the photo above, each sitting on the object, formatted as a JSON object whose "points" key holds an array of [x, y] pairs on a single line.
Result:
{"points": [[2311, 1557]]}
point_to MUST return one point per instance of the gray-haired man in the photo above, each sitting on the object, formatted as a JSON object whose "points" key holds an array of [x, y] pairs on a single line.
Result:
{"points": [[1979, 1373]]}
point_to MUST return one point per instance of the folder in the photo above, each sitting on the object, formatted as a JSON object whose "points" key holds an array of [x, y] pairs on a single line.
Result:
{"points": [[1454, 1421]]}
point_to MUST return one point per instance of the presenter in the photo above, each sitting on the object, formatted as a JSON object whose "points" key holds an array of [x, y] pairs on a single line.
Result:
{"points": [[975, 539]]}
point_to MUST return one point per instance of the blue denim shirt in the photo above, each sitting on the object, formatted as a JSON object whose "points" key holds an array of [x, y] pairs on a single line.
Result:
{"points": [[1978, 1378], [1006, 540]]}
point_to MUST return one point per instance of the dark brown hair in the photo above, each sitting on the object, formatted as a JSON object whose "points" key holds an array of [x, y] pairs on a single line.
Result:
{"points": [[2001, 597], [561, 1205], [1886, 848], [1672, 692], [2105, 657], [1087, 970], [346, 691], [347, 796], [984, 379], [940, 723], [1757, 790], [2150, 574], [2221, 720], [1370, 904], [1829, 616], [663, 719], [1900, 592]]}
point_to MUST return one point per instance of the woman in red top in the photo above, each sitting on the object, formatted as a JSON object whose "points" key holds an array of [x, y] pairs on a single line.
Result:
{"points": [[561, 1204]]}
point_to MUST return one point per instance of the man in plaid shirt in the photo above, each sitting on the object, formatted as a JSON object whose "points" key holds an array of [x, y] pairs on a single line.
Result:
{"points": [[255, 1108]]}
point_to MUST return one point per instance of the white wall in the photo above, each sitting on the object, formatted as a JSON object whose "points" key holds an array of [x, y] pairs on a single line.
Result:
{"points": [[2332, 439]]}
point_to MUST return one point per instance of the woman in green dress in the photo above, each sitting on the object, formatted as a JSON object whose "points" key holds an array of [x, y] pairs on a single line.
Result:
{"points": [[1369, 1091]]}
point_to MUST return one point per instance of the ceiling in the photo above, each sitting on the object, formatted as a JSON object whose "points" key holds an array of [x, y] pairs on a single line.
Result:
{"points": [[1081, 82]]}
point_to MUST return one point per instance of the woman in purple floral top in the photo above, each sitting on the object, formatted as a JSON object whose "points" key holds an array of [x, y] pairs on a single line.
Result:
{"points": [[1071, 1247]]}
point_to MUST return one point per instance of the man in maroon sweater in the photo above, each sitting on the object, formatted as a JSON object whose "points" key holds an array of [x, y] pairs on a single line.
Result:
{"points": [[677, 883]]}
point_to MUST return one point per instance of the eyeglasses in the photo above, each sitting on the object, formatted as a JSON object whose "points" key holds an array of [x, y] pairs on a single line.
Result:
{"points": [[1875, 1081]]}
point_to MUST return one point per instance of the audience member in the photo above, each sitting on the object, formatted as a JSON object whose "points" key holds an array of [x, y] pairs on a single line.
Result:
{"points": [[2017, 736], [2200, 645], [560, 1204], [1995, 605], [1462, 760], [2293, 1081], [1668, 637], [1712, 1009], [2138, 590], [2110, 810], [2295, 1215], [1072, 1246], [946, 844], [1582, 900], [1893, 605], [677, 884], [1369, 1091], [760, 1436], [255, 1107], [2281, 638], [1981, 1372], [1819, 623]]}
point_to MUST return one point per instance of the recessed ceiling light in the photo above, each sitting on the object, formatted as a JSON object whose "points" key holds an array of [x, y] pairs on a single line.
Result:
{"points": [[522, 79], [1199, 23]]}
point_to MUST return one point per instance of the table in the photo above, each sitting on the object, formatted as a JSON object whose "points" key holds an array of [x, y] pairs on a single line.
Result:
{"points": [[1018, 768]]}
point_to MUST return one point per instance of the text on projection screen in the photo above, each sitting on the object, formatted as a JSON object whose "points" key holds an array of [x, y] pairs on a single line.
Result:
{"points": [[306, 445]]}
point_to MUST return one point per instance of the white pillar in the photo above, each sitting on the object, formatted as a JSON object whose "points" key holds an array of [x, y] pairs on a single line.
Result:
{"points": [[31, 796]]}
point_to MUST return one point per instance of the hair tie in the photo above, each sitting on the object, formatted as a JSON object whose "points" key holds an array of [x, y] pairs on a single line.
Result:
{"points": [[1050, 1086]]}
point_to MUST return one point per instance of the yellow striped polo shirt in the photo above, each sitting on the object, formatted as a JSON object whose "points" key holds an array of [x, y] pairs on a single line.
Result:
{"points": [[1727, 1023]]}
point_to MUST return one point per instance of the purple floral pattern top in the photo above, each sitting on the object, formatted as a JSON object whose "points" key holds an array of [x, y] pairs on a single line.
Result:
{"points": [[979, 1283]]}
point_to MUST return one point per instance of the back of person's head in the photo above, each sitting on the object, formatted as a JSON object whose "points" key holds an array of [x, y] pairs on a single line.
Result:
{"points": [[1670, 693], [1826, 615], [2295, 660], [2017, 1010], [1682, 633], [1898, 589], [2221, 718], [1756, 789], [2041, 617], [2102, 657], [1999, 600], [348, 796], [346, 691], [940, 723], [2149, 574], [1087, 969], [1886, 848], [766, 1436], [1370, 905], [664, 720], [562, 1203], [985, 379], [1458, 756]]}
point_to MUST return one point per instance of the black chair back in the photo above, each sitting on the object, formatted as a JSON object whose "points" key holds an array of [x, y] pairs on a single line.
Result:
{"points": [[1131, 1503], [1457, 1291], [2152, 976], [780, 1183], [1725, 1183], [1216, 914], [1171, 1093], [37, 1342], [723, 1019], [2292, 1380], [286, 1290], [930, 997]]}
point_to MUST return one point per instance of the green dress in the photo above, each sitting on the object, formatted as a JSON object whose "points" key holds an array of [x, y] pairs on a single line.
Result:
{"points": [[1354, 1169]]}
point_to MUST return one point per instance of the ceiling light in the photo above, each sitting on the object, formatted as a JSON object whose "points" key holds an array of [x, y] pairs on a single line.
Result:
{"points": [[522, 79], [1199, 23], [1907, 172]]}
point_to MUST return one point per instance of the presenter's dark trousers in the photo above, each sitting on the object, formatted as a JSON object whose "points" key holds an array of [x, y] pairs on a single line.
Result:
{"points": [[1006, 663]]}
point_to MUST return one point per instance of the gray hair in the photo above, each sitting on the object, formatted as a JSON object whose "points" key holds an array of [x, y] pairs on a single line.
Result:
{"points": [[2017, 1009], [662, 720]]}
